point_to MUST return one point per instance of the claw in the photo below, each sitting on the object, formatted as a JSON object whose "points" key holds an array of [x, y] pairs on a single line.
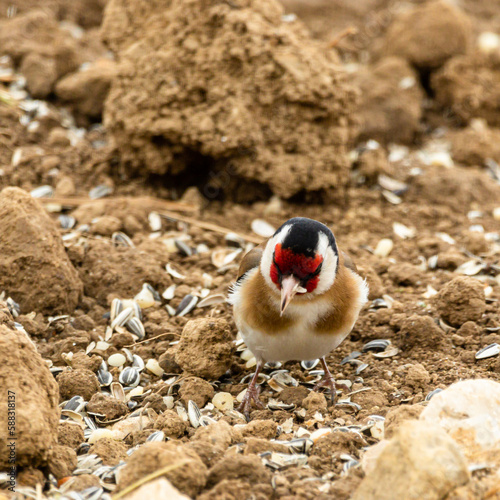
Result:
{"points": [[328, 381], [252, 395]]}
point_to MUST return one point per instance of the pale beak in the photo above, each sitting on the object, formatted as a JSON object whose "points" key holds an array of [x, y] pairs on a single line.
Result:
{"points": [[290, 285]]}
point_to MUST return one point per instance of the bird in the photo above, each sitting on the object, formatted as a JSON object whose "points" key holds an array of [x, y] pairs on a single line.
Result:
{"points": [[296, 297]]}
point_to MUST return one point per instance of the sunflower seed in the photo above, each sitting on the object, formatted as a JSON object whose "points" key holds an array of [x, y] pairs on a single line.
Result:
{"points": [[309, 365], [194, 414], [173, 272], [120, 239], [360, 368], [130, 377], [105, 378], [391, 197], [488, 351], [273, 365], [350, 357], [122, 318], [117, 360], [42, 192], [135, 326], [157, 436], [376, 345], [116, 308], [14, 307], [188, 303]]}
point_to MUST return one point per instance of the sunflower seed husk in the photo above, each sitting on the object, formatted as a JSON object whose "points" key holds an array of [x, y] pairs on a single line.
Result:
{"points": [[153, 366], [120, 239], [116, 309], [488, 351], [188, 303], [100, 191], [223, 401], [135, 326], [42, 192], [275, 405], [393, 185], [234, 239], [301, 445], [360, 368], [130, 377], [224, 256], [278, 461], [183, 248], [122, 318], [137, 362], [262, 228], [391, 197], [432, 393], [273, 365], [157, 436], [67, 221], [309, 365], [170, 310], [194, 414], [470, 268], [388, 353], [350, 357], [145, 298], [403, 231], [213, 300], [376, 345], [173, 272], [76, 404], [169, 293], [117, 391], [384, 247], [154, 220]]}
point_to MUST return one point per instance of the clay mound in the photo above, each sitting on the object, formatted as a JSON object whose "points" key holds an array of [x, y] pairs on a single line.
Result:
{"points": [[225, 94], [428, 35], [470, 87]]}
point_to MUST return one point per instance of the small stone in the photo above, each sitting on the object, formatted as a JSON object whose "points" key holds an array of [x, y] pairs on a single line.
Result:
{"points": [[470, 412], [384, 247], [420, 461], [460, 300], [158, 488]]}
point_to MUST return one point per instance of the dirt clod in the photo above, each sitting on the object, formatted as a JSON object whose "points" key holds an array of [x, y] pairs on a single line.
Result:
{"points": [[82, 383], [171, 424], [198, 390], [105, 405], [70, 434], [62, 461], [34, 269], [461, 300], [205, 348], [109, 450]]}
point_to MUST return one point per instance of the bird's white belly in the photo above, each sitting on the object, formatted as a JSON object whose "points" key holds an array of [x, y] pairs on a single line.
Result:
{"points": [[298, 343]]}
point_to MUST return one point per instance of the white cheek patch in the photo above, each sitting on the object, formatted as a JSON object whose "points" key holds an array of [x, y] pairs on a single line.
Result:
{"points": [[267, 256]]}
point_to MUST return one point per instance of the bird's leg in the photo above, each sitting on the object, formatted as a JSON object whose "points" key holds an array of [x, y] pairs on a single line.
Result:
{"points": [[327, 381], [252, 394]]}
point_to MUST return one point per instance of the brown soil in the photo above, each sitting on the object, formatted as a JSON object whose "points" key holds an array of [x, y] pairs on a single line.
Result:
{"points": [[185, 76]]}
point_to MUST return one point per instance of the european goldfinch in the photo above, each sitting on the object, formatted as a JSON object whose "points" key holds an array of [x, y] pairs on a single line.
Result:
{"points": [[296, 297]]}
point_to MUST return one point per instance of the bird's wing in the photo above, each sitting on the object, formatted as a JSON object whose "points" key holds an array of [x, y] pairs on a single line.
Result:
{"points": [[251, 259], [349, 263]]}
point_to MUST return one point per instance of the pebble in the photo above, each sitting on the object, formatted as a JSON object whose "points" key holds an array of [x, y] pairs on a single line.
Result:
{"points": [[117, 360], [384, 247]]}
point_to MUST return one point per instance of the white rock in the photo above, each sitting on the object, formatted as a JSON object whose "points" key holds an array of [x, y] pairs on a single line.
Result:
{"points": [[384, 247], [470, 412]]}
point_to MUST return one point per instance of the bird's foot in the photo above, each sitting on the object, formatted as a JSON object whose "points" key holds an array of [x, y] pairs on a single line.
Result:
{"points": [[329, 382], [252, 395]]}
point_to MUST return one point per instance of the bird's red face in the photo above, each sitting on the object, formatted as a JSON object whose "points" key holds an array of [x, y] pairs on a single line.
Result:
{"points": [[288, 263]]}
